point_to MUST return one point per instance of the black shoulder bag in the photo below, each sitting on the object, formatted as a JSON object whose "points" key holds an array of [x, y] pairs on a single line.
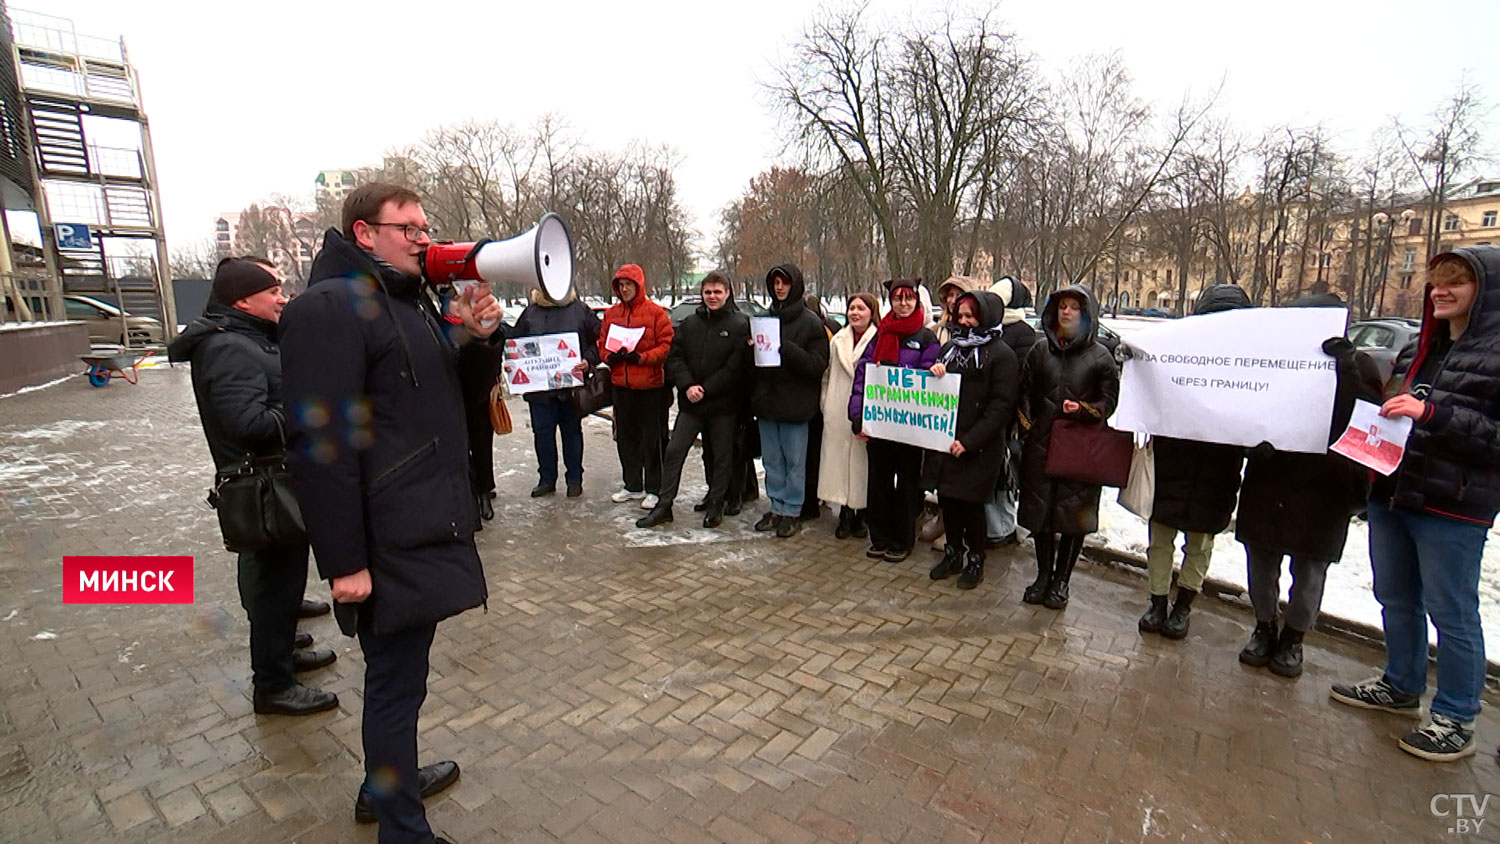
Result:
{"points": [[256, 506]]}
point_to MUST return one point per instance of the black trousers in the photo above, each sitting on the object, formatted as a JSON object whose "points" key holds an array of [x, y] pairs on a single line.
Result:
{"points": [[478, 363], [895, 494], [718, 441], [395, 687], [640, 427], [964, 523], [272, 582]]}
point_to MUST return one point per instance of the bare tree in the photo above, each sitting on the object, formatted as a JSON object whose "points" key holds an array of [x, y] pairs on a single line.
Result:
{"points": [[196, 259], [1444, 150]]}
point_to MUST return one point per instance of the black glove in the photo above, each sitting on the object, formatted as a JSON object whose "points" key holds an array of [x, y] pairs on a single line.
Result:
{"points": [[1124, 352], [1262, 451], [1338, 348], [632, 357], [615, 358], [854, 424]]}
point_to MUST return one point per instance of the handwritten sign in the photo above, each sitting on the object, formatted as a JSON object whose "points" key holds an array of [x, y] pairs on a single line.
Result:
{"points": [[767, 331], [621, 338], [542, 362], [1238, 377], [1373, 440], [911, 406]]}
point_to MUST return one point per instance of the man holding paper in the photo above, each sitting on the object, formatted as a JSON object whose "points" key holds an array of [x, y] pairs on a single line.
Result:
{"points": [[1429, 519], [636, 337]]}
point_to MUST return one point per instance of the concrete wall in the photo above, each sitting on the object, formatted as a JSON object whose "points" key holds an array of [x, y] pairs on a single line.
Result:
{"points": [[35, 354]]}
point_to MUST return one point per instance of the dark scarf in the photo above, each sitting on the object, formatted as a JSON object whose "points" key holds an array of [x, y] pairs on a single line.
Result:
{"points": [[963, 347], [892, 331]]}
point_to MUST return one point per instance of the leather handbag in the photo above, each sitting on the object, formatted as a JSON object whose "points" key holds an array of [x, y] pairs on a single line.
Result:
{"points": [[596, 393], [499, 413], [256, 506], [1089, 452]]}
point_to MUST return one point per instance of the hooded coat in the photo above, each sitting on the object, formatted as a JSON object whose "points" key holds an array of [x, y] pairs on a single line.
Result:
{"points": [[789, 392], [711, 349], [654, 344], [1054, 371], [1197, 482], [542, 317], [844, 467], [1452, 462], [236, 381], [378, 448], [1300, 504], [1019, 334], [943, 328], [987, 397]]}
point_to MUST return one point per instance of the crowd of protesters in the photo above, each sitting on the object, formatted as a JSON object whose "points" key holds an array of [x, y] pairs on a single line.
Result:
{"points": [[370, 335]]}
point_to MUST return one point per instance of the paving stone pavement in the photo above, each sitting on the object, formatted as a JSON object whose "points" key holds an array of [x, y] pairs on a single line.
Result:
{"points": [[669, 685]]}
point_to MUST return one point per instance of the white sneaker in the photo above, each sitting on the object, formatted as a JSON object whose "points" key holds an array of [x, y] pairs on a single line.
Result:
{"points": [[649, 502], [625, 495]]}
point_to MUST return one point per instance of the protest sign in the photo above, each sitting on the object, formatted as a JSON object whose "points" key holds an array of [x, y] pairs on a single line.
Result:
{"points": [[543, 362], [767, 331], [1238, 377], [1373, 440], [622, 339], [911, 406]]}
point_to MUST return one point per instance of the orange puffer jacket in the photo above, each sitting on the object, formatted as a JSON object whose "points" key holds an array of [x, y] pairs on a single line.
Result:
{"points": [[653, 346]]}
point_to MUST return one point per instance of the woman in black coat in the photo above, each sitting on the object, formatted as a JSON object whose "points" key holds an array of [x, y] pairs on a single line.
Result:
{"points": [[965, 476], [1068, 374], [1299, 505]]}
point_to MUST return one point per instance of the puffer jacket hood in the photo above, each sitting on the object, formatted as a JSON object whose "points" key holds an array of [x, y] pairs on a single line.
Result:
{"points": [[991, 308], [217, 318], [963, 284], [1221, 297], [1017, 298], [793, 304], [1089, 332], [630, 272]]}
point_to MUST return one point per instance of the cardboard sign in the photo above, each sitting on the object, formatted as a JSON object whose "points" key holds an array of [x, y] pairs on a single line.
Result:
{"points": [[543, 362], [911, 406], [1373, 440], [1238, 377], [767, 333]]}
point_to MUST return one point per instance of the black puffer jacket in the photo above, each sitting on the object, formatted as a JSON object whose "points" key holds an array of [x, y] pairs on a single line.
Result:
{"points": [[986, 410], [711, 349], [1452, 462], [1197, 482], [790, 392], [1054, 371], [379, 450], [237, 382], [542, 317]]}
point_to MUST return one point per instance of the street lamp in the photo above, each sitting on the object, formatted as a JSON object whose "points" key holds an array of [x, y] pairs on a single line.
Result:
{"points": [[1384, 221]]}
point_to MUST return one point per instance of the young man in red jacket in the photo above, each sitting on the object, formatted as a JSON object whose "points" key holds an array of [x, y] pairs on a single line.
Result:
{"points": [[637, 370]]}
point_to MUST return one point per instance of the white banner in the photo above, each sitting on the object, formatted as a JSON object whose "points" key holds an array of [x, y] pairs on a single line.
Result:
{"points": [[542, 362], [1238, 377], [911, 406]]}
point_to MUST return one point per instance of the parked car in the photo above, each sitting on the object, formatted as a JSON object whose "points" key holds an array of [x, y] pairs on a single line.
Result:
{"points": [[103, 321], [1383, 339]]}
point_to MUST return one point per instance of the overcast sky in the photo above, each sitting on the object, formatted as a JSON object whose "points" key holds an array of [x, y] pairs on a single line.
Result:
{"points": [[248, 99]]}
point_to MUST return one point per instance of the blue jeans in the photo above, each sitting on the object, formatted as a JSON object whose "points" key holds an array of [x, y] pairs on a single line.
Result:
{"points": [[1428, 567], [783, 451], [547, 416]]}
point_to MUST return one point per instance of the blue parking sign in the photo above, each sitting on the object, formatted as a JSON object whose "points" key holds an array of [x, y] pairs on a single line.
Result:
{"points": [[73, 236]]}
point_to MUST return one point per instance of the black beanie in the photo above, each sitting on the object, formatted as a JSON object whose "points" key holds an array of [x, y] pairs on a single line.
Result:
{"points": [[237, 278]]}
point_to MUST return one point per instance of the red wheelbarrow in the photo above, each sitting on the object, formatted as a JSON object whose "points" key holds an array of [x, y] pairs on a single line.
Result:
{"points": [[107, 366]]}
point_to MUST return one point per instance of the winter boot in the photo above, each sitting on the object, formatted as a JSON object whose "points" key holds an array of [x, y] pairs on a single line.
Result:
{"points": [[1287, 660], [1057, 590], [1038, 588], [1152, 621], [952, 563], [846, 524], [858, 529], [1257, 652], [1176, 625], [973, 573]]}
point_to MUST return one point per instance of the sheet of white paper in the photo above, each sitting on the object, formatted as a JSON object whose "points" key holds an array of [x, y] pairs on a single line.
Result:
{"points": [[911, 406], [767, 331], [622, 338], [1373, 440], [542, 362], [1239, 377]]}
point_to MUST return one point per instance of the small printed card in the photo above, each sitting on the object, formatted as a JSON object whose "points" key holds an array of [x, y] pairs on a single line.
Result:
{"points": [[1374, 440]]}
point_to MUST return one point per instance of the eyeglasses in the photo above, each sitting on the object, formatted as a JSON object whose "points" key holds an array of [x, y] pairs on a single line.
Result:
{"points": [[413, 233]]}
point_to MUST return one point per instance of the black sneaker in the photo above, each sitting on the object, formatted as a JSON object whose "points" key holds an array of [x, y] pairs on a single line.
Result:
{"points": [[1376, 693], [875, 552], [896, 555], [769, 521], [1441, 739], [543, 489], [789, 525]]}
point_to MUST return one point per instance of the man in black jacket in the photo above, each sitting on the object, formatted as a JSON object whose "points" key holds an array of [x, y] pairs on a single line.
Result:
{"points": [[379, 458], [707, 365], [237, 383], [786, 396], [552, 411], [1430, 518]]}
